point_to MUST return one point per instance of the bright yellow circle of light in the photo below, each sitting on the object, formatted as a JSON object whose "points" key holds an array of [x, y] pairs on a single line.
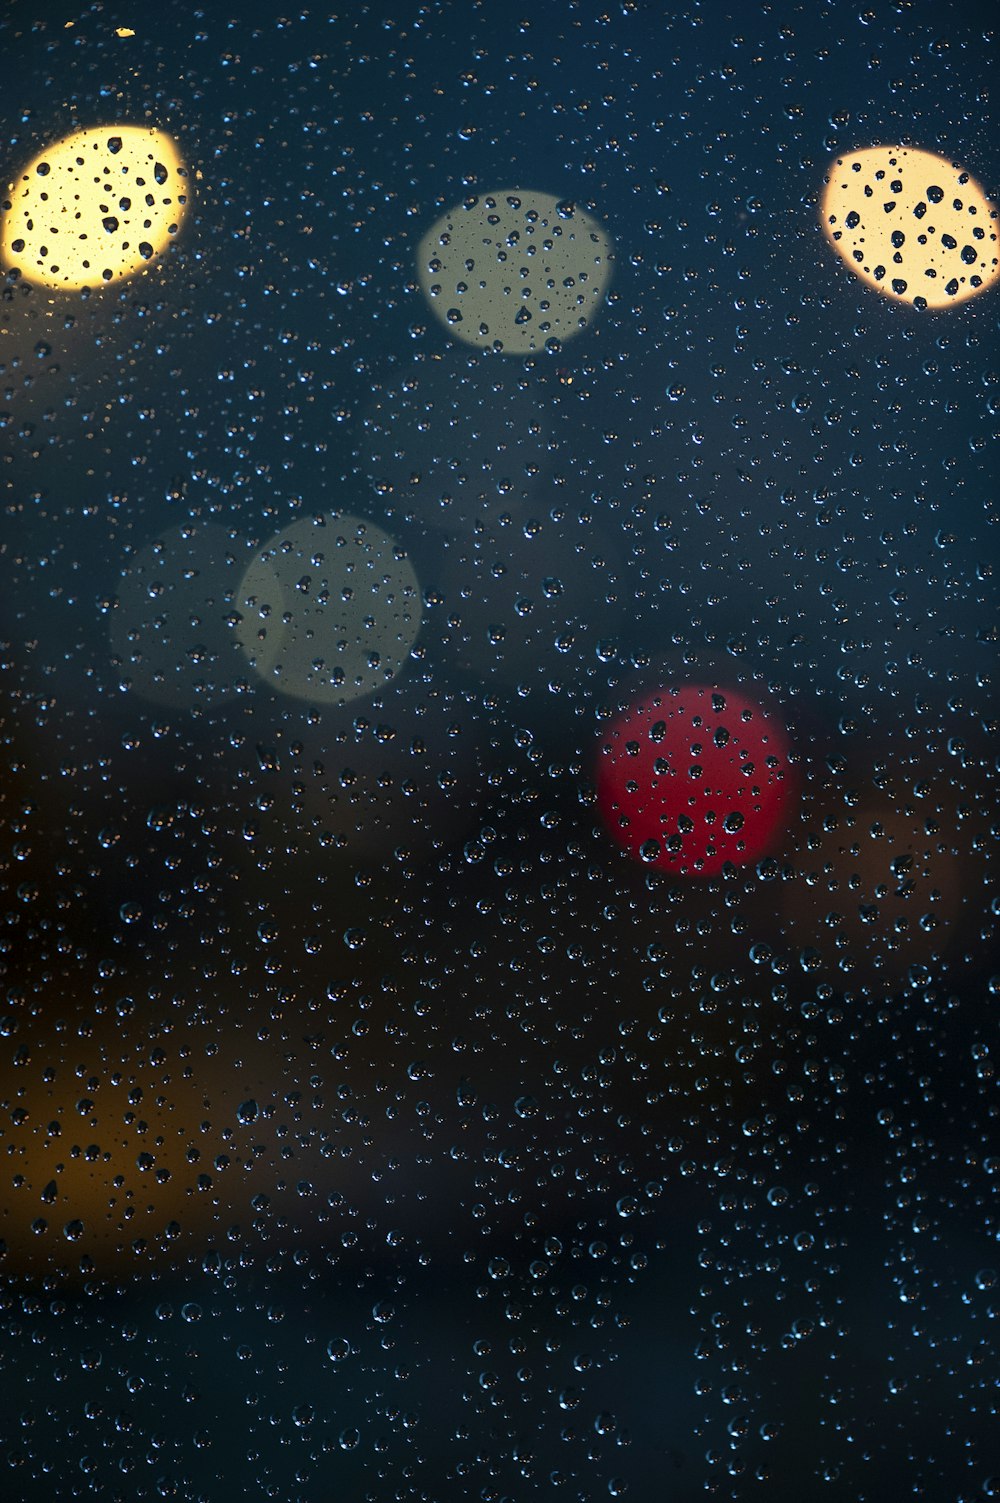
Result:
{"points": [[330, 610], [911, 224], [94, 208], [513, 271]]}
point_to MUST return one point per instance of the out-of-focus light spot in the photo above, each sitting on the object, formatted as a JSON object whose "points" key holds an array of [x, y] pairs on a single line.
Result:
{"points": [[911, 224], [126, 1168], [691, 778], [172, 627], [874, 893], [94, 208], [330, 610], [515, 271]]}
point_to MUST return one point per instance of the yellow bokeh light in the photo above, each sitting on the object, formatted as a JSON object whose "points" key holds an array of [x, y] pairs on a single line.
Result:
{"points": [[911, 224], [94, 208], [514, 271]]}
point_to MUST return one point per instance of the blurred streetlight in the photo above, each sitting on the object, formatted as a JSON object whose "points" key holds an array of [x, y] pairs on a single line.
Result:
{"points": [[515, 271], [911, 224], [94, 208]]}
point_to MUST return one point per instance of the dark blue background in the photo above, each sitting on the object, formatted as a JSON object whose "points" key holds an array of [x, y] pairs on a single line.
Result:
{"points": [[793, 483]]}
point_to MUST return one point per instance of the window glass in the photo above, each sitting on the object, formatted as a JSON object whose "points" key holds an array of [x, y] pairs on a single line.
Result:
{"points": [[498, 628]]}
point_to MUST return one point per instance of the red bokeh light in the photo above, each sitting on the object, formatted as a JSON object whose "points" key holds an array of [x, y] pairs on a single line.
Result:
{"points": [[690, 778]]}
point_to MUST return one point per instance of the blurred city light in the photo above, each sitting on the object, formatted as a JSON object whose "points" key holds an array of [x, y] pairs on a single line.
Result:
{"points": [[331, 610], [94, 208], [693, 777], [911, 224], [877, 888], [515, 271], [118, 1163]]}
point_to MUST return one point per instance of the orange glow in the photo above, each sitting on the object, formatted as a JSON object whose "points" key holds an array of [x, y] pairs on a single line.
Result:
{"points": [[874, 893], [105, 1162]]}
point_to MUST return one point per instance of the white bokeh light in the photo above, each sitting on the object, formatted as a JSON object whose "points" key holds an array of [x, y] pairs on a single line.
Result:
{"points": [[514, 270], [330, 610]]}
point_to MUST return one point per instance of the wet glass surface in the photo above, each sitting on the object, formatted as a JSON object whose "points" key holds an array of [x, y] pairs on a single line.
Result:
{"points": [[499, 647]]}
